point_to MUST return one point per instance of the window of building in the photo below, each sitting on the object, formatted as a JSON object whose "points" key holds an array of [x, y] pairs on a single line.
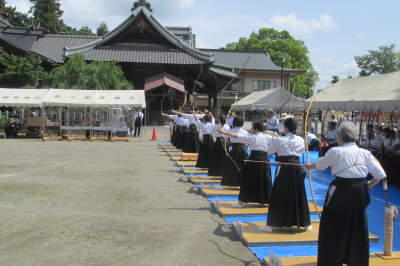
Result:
{"points": [[260, 85], [234, 87]]}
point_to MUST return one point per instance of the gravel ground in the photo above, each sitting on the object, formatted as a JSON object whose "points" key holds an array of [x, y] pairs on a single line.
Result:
{"points": [[101, 203]]}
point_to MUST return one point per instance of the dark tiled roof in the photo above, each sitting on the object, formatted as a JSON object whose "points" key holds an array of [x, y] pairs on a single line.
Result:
{"points": [[233, 58], [141, 53], [4, 22], [51, 46], [174, 40]]}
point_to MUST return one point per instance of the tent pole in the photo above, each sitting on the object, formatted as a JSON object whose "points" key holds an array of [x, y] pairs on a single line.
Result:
{"points": [[145, 122]]}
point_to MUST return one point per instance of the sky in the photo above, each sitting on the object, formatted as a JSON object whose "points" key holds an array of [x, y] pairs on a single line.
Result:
{"points": [[333, 31]]}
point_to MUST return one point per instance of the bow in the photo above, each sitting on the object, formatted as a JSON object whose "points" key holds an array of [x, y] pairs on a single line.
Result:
{"points": [[308, 155], [163, 100], [220, 105]]}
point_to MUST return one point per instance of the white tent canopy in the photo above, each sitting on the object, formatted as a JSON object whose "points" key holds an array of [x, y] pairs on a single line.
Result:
{"points": [[373, 93], [120, 98], [22, 97], [276, 99], [64, 97]]}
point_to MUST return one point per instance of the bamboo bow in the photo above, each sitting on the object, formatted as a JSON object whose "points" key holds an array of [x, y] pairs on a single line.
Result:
{"points": [[220, 105], [305, 138]]}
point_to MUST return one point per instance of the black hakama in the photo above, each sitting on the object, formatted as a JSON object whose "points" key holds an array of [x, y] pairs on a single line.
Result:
{"points": [[218, 158], [256, 183], [181, 137], [343, 232], [232, 176], [192, 141], [206, 146], [176, 135], [173, 135], [288, 203]]}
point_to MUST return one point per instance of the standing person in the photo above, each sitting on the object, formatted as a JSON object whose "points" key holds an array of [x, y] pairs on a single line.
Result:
{"points": [[207, 142], [343, 232], [256, 183], [272, 121], [191, 143], [138, 121], [218, 155], [231, 116], [288, 204], [237, 153], [331, 138], [183, 125], [175, 128]]}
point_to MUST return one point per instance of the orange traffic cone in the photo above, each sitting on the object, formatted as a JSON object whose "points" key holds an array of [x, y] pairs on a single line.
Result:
{"points": [[154, 134], [325, 144]]}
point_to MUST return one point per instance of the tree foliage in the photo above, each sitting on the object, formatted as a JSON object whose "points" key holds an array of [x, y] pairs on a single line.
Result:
{"points": [[102, 29], [98, 75], [335, 79], [21, 71], [384, 60], [281, 41], [48, 13], [16, 19]]}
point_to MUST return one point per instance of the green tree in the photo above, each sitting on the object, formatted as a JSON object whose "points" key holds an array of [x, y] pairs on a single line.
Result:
{"points": [[48, 13], [21, 71], [102, 29], [98, 75], [335, 79], [384, 60], [16, 19], [281, 41]]}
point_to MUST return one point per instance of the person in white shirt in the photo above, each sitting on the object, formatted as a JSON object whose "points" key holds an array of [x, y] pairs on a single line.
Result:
{"points": [[138, 117], [333, 119], [312, 142], [183, 131], [256, 181], [121, 132], [230, 119], [174, 137], [288, 205], [331, 138], [219, 158], [207, 142], [191, 143], [31, 113], [272, 121], [237, 153], [281, 123], [370, 142], [343, 234]]}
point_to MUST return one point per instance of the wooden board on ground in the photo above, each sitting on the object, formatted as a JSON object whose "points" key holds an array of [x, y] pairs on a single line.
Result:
{"points": [[210, 191], [374, 260], [200, 179], [189, 156], [198, 171], [226, 209], [173, 150], [186, 163], [179, 158], [253, 237], [174, 153]]}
